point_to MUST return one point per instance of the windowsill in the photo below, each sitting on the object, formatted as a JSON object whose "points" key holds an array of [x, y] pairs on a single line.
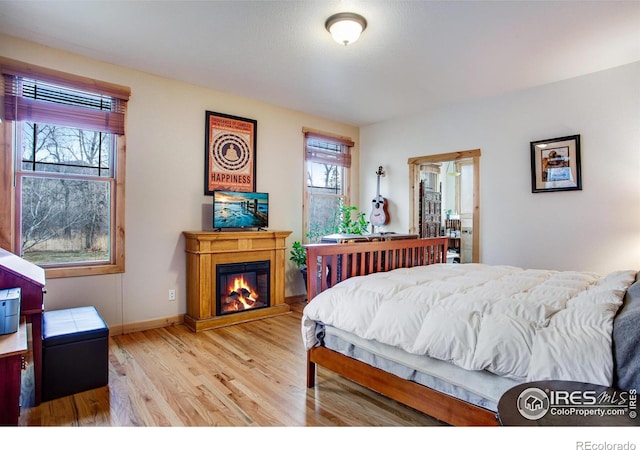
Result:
{"points": [[83, 271]]}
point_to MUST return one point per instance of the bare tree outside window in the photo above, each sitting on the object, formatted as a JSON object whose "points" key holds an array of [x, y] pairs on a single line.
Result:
{"points": [[66, 182]]}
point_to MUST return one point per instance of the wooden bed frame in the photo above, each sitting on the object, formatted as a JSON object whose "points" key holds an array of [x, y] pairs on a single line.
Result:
{"points": [[337, 262]]}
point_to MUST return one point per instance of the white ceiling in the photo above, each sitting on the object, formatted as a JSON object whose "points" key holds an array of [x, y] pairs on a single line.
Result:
{"points": [[413, 56]]}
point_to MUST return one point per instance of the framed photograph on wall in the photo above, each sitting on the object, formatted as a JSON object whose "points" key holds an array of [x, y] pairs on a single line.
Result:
{"points": [[555, 164], [230, 153]]}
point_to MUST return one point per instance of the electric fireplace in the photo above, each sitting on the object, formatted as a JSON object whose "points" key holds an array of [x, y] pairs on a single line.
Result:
{"points": [[244, 252], [242, 286]]}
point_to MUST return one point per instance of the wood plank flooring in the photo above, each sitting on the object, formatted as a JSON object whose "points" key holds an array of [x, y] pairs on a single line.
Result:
{"points": [[250, 374]]}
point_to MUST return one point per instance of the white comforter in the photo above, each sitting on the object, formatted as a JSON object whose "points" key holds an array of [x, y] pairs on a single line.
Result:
{"points": [[522, 324]]}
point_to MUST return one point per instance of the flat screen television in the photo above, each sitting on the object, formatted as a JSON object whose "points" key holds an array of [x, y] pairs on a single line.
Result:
{"points": [[240, 210]]}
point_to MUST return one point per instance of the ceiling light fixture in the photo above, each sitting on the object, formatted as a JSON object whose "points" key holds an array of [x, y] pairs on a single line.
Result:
{"points": [[346, 27]]}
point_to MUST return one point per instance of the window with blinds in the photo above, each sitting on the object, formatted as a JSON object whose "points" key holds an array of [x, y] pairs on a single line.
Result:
{"points": [[327, 161], [68, 166]]}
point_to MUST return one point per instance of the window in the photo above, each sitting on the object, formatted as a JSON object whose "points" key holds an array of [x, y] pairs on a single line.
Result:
{"points": [[327, 161], [63, 177]]}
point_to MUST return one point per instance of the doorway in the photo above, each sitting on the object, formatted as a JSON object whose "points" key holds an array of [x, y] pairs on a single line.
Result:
{"points": [[456, 177]]}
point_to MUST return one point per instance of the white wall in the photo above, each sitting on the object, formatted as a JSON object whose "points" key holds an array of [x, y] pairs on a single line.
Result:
{"points": [[165, 176], [596, 229]]}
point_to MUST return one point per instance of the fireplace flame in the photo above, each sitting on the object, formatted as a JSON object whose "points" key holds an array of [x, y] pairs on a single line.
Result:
{"points": [[241, 296]]}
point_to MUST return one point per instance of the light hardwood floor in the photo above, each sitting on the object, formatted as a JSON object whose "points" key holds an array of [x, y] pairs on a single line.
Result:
{"points": [[250, 374]]}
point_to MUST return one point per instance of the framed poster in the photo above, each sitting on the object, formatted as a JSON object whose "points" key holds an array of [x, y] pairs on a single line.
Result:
{"points": [[555, 164], [230, 153]]}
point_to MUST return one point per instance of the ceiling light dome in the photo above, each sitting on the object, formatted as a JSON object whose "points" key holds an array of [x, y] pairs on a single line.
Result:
{"points": [[346, 27]]}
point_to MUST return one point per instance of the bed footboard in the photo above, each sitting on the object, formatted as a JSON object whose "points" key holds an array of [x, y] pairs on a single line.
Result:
{"points": [[328, 264]]}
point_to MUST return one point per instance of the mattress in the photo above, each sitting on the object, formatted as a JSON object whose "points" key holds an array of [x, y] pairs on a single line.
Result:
{"points": [[480, 388]]}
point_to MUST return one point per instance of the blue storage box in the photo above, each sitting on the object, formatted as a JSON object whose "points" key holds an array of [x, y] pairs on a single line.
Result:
{"points": [[9, 310]]}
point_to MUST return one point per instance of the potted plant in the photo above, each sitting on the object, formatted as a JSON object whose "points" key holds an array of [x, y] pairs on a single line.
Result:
{"points": [[298, 256], [351, 221]]}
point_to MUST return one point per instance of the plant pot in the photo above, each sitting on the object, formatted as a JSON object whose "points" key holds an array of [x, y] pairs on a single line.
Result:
{"points": [[303, 271]]}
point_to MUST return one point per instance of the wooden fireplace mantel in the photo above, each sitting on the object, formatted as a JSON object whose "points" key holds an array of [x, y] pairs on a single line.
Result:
{"points": [[206, 249]]}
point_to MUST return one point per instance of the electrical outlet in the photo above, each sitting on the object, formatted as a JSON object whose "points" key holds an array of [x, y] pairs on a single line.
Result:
{"points": [[172, 294]]}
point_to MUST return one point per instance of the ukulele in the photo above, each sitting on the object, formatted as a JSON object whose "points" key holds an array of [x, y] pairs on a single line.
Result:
{"points": [[379, 214]]}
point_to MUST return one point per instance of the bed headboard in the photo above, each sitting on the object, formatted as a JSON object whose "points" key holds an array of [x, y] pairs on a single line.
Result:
{"points": [[338, 262]]}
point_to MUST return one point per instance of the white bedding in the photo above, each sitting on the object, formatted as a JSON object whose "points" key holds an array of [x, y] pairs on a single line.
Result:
{"points": [[522, 324]]}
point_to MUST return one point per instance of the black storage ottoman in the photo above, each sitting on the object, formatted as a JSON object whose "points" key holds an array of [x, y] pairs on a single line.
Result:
{"points": [[75, 352]]}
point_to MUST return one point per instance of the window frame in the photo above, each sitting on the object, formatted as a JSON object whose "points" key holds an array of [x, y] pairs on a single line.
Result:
{"points": [[344, 162], [9, 221]]}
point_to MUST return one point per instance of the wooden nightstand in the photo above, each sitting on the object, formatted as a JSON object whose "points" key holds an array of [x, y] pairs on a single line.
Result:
{"points": [[12, 348]]}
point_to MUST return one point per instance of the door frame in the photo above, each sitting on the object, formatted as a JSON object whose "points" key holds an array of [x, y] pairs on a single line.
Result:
{"points": [[414, 195]]}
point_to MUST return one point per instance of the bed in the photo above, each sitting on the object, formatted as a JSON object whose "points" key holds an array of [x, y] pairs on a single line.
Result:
{"points": [[450, 339]]}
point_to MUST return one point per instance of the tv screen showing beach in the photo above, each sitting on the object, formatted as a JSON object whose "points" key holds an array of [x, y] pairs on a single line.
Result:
{"points": [[240, 209]]}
